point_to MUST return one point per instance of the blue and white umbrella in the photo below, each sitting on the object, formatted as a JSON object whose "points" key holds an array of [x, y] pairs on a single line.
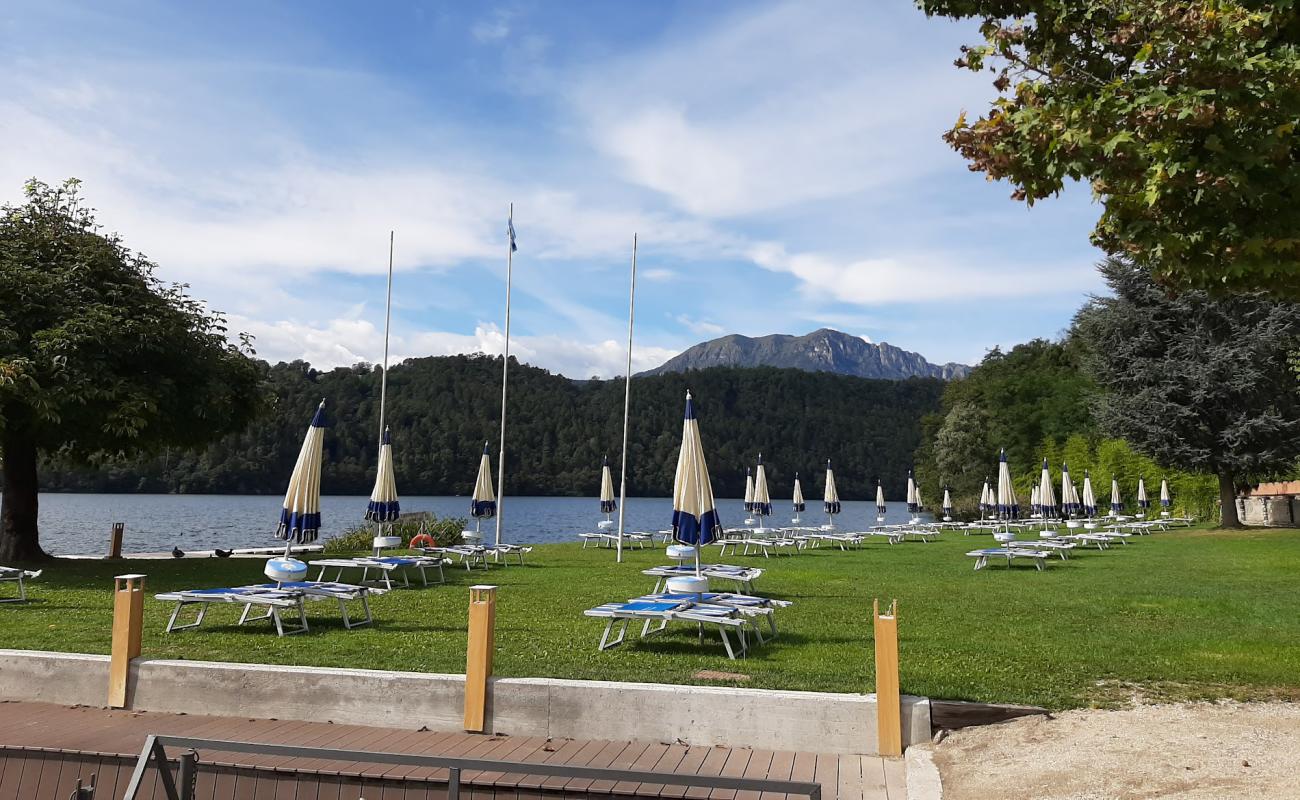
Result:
{"points": [[987, 499], [797, 497], [913, 502], [383, 506], [1069, 499], [749, 491], [1008, 507], [483, 503], [1116, 504], [1143, 502], [695, 515], [831, 499], [608, 505], [1089, 499], [881, 508], [300, 515], [1165, 500], [1046, 494], [1035, 502], [762, 498], [947, 504], [920, 504]]}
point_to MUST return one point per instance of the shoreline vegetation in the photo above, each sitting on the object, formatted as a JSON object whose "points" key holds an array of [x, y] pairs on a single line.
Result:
{"points": [[1189, 614]]}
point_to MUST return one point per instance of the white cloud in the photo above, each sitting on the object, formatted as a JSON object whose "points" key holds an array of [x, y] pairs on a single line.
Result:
{"points": [[917, 277], [659, 275], [700, 326], [761, 111], [348, 340], [494, 28]]}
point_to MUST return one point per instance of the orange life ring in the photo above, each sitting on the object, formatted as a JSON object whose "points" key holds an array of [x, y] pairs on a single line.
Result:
{"points": [[422, 540]]}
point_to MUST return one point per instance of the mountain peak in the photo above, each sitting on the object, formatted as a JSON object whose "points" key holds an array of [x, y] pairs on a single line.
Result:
{"points": [[823, 350]]}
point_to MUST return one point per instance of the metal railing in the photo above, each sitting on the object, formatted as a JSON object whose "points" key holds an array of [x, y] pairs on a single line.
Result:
{"points": [[182, 786]]}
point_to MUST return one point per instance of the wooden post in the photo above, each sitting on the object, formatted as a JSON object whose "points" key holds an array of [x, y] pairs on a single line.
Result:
{"points": [[128, 618], [478, 656], [115, 540], [889, 713]]}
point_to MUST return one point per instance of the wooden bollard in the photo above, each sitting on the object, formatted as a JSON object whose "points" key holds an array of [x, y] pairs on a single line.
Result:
{"points": [[115, 540], [889, 712], [478, 655], [128, 622]]}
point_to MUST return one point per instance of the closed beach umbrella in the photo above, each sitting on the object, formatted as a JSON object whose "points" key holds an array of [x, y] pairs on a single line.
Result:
{"points": [[1143, 502], [920, 504], [799, 504], [1035, 506], [483, 504], [1116, 504], [986, 499], [1046, 494], [880, 501], [300, 515], [1069, 503], [383, 505], [947, 503], [608, 505], [1008, 507], [762, 499], [1089, 500], [1165, 500], [830, 500], [913, 502], [695, 518], [749, 490]]}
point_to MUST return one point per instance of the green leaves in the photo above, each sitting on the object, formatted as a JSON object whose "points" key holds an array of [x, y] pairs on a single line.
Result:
{"points": [[1204, 95]]}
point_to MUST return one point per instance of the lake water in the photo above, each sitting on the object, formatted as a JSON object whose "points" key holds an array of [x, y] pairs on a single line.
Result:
{"points": [[79, 523]]}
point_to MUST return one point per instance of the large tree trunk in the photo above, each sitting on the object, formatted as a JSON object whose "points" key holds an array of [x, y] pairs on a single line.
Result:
{"points": [[1228, 500], [19, 539]]}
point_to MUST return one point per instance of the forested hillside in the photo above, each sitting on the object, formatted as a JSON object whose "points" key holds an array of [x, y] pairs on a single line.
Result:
{"points": [[1036, 401], [442, 409]]}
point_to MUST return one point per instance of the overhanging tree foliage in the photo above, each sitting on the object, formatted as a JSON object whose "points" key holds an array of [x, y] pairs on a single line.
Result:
{"points": [[1196, 381], [1182, 115], [97, 356]]}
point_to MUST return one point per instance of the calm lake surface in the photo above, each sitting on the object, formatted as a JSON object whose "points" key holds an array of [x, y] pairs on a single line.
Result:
{"points": [[79, 523]]}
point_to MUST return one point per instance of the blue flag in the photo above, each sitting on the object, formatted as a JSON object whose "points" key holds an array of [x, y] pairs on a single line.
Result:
{"points": [[510, 230]]}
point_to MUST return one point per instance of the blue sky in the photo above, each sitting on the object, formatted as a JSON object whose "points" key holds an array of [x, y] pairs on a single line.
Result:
{"points": [[781, 163]]}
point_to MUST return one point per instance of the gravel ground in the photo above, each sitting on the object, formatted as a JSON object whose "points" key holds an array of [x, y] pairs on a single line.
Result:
{"points": [[1189, 750]]}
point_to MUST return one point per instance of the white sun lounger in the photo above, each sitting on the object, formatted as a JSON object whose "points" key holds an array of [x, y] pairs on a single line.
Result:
{"points": [[385, 566], [638, 539], [20, 577], [274, 601], [725, 619], [1038, 557], [502, 552], [743, 577], [342, 593], [470, 555], [1062, 549], [745, 604]]}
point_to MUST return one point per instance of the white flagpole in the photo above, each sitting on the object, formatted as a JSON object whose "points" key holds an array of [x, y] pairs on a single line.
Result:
{"points": [[388, 316], [383, 377], [627, 403], [505, 375]]}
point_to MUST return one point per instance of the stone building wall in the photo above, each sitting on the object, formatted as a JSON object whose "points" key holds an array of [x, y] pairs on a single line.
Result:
{"points": [[1271, 511]]}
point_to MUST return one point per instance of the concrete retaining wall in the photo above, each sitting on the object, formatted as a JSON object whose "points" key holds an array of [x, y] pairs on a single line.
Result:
{"points": [[698, 715]]}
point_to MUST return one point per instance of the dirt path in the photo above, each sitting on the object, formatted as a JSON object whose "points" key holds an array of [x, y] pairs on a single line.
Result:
{"points": [[1192, 750]]}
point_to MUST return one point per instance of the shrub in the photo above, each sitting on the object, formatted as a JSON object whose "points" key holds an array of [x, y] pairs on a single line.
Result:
{"points": [[445, 531]]}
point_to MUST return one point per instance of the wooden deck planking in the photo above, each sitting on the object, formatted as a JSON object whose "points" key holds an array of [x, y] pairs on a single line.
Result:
{"points": [[110, 740], [895, 777]]}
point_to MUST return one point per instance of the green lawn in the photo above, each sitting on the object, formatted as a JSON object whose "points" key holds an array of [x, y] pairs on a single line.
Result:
{"points": [[1181, 614]]}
